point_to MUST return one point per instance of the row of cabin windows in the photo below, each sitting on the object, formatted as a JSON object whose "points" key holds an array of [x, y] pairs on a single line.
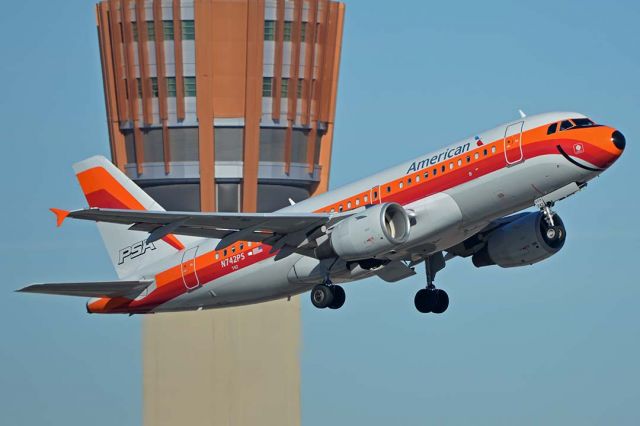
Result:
{"points": [[188, 30], [270, 31], [356, 203], [267, 87], [417, 177], [225, 252], [443, 168], [188, 84]]}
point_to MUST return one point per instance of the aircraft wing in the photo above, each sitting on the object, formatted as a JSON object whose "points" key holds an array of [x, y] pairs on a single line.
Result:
{"points": [[276, 229], [90, 289]]}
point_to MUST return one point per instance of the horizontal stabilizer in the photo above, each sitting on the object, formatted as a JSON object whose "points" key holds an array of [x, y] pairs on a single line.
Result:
{"points": [[129, 289]]}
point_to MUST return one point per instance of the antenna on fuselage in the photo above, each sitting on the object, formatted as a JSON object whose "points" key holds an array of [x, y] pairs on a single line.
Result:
{"points": [[522, 114]]}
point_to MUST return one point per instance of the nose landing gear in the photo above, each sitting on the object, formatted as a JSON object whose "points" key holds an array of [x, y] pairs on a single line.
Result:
{"points": [[432, 299], [553, 232]]}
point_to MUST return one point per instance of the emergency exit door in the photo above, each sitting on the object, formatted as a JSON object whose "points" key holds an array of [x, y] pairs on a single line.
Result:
{"points": [[189, 272], [513, 143]]}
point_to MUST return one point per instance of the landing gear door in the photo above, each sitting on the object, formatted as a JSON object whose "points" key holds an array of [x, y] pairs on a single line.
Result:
{"points": [[513, 144], [188, 267]]}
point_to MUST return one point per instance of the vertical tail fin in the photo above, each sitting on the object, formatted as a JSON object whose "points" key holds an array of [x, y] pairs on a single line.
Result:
{"points": [[106, 186]]}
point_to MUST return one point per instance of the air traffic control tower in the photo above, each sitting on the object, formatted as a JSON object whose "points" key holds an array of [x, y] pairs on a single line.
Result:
{"points": [[222, 105]]}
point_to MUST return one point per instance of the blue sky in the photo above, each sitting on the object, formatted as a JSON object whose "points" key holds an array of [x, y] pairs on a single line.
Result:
{"points": [[555, 343]]}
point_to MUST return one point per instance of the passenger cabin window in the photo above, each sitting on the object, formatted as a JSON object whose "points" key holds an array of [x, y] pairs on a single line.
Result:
{"points": [[552, 128], [566, 125]]}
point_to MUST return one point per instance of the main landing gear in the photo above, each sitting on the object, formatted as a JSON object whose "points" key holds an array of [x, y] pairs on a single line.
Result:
{"points": [[432, 299], [327, 295]]}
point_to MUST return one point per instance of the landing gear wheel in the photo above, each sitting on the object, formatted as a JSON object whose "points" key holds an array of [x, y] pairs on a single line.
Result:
{"points": [[424, 301], [441, 301], [321, 296], [552, 233], [338, 297], [555, 233]]}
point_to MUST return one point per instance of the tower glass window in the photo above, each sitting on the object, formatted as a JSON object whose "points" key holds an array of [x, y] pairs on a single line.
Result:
{"points": [[299, 88], [189, 86], [267, 87], [284, 87], [188, 30], [303, 32], [154, 86], [287, 31], [171, 87], [134, 28], [269, 30], [151, 31], [167, 29]]}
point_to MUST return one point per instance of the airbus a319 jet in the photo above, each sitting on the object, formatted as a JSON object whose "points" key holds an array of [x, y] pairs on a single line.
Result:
{"points": [[462, 200]]}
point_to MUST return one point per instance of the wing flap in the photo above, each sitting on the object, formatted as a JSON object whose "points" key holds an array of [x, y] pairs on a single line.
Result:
{"points": [[90, 289]]}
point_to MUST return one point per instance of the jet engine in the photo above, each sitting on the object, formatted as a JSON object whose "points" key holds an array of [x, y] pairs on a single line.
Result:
{"points": [[525, 241], [373, 232]]}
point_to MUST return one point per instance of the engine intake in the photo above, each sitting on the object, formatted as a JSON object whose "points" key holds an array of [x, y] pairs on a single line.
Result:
{"points": [[375, 231], [525, 241]]}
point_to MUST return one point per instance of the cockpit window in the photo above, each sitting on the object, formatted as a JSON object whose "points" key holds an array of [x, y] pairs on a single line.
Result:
{"points": [[583, 122], [552, 128], [565, 125]]}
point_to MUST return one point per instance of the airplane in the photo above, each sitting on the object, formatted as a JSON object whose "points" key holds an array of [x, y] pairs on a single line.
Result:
{"points": [[465, 200]]}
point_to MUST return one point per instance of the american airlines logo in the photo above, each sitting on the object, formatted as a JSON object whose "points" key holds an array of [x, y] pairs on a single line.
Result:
{"points": [[134, 250], [444, 155]]}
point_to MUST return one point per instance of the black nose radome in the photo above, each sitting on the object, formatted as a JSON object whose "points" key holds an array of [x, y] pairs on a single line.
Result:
{"points": [[618, 140]]}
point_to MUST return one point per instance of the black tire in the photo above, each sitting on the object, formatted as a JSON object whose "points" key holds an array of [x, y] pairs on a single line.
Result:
{"points": [[441, 301], [424, 301], [321, 296], [338, 297]]}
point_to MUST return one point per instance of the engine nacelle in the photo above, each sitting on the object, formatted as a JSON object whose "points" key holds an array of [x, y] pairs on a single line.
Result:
{"points": [[524, 241], [373, 232]]}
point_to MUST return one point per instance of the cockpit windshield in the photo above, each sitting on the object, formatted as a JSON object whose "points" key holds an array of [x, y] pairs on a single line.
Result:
{"points": [[574, 123], [583, 122]]}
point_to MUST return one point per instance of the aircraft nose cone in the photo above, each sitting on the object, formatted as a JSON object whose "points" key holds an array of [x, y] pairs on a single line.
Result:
{"points": [[618, 140]]}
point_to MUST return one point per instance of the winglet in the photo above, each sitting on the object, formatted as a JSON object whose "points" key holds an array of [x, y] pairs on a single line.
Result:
{"points": [[61, 215]]}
